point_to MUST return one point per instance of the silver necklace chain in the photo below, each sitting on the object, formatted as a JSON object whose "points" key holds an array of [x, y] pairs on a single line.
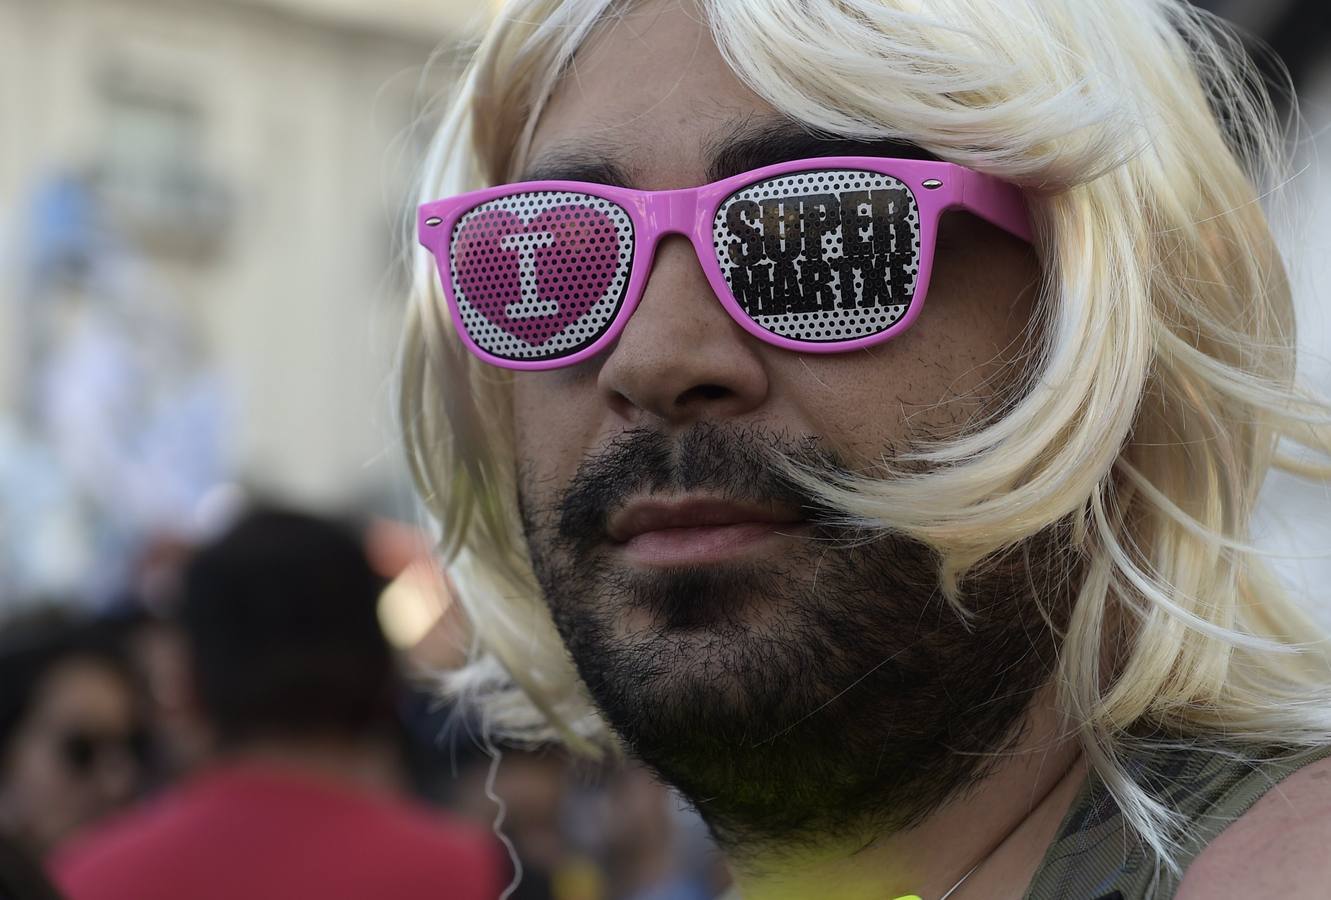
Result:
{"points": [[952, 890]]}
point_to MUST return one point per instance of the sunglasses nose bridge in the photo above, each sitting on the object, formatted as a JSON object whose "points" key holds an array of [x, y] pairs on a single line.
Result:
{"points": [[672, 212]]}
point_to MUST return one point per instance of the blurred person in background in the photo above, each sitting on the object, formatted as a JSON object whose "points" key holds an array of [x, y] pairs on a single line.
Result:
{"points": [[72, 741], [530, 787], [180, 739], [647, 848], [584, 832], [120, 425], [289, 667]]}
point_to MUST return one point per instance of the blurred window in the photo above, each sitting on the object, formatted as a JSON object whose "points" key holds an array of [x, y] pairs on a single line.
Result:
{"points": [[150, 168]]}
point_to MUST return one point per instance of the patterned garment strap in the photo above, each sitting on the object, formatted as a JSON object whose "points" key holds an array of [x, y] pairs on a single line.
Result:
{"points": [[1096, 857]]}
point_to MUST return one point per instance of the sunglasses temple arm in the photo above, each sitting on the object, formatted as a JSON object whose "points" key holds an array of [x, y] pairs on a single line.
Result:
{"points": [[998, 203]]}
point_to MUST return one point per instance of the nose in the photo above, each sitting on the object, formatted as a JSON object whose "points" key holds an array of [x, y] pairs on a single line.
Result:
{"points": [[681, 357]]}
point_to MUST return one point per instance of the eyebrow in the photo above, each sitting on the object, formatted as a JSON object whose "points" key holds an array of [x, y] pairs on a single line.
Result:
{"points": [[751, 146], [744, 147], [591, 164]]}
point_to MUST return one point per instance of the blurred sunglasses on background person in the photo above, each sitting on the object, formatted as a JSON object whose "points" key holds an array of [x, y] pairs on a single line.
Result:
{"points": [[85, 751]]}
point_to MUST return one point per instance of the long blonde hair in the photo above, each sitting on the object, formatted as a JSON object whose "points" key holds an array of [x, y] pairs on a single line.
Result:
{"points": [[1158, 401]]}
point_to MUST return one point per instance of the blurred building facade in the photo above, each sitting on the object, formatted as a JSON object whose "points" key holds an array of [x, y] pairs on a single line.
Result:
{"points": [[254, 156], [202, 204]]}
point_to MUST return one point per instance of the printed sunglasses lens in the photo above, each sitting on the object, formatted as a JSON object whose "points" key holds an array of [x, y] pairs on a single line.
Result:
{"points": [[821, 256], [540, 275]]}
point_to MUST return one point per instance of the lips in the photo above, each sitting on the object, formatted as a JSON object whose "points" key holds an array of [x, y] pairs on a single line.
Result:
{"points": [[656, 515]]}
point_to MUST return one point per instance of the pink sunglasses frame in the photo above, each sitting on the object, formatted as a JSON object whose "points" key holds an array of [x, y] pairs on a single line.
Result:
{"points": [[937, 186]]}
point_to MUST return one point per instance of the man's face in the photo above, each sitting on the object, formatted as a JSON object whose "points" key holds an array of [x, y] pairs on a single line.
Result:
{"points": [[789, 679]]}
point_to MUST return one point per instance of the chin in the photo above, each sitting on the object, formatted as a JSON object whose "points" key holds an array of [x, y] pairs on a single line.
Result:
{"points": [[733, 599]]}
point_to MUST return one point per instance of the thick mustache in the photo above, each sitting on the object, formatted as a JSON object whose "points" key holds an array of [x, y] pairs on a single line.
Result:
{"points": [[738, 464]]}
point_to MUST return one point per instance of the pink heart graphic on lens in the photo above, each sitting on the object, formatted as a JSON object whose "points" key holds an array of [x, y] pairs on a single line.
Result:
{"points": [[536, 279]]}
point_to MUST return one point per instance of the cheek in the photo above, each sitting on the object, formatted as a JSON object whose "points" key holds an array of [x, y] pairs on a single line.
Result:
{"points": [[964, 355], [39, 780], [865, 405], [554, 418]]}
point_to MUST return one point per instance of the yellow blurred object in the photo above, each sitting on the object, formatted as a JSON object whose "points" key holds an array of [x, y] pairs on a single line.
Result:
{"points": [[578, 879], [410, 606]]}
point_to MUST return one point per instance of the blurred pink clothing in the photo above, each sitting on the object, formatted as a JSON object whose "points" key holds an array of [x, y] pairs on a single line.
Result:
{"points": [[260, 832]]}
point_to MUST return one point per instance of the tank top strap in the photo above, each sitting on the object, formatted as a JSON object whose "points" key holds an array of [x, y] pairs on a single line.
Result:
{"points": [[1097, 857]]}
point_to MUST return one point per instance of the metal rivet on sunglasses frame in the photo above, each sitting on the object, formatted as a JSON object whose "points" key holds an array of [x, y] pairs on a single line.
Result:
{"points": [[932, 184], [433, 221]]}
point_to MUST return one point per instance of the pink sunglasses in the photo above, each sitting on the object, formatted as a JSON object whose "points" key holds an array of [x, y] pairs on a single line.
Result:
{"points": [[815, 255]]}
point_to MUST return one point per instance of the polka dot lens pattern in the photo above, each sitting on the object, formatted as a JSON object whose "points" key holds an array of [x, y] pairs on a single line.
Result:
{"points": [[821, 256], [540, 275]]}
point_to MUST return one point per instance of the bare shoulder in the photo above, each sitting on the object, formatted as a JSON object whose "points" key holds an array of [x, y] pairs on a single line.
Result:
{"points": [[1279, 848]]}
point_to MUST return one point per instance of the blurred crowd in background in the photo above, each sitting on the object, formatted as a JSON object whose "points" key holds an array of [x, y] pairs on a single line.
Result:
{"points": [[258, 736], [217, 610]]}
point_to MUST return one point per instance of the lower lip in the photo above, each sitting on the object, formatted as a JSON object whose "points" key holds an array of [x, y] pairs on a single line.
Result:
{"points": [[703, 544]]}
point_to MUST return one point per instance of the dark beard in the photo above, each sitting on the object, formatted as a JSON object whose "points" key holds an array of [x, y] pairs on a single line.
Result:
{"points": [[836, 694]]}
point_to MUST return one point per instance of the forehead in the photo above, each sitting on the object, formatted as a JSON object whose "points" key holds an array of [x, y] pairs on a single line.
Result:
{"points": [[82, 689], [649, 88]]}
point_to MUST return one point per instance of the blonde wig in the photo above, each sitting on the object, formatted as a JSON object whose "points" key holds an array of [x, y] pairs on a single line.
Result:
{"points": [[1161, 394]]}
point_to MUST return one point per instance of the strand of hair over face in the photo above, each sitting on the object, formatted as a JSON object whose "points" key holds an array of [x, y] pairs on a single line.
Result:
{"points": [[1159, 398]]}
